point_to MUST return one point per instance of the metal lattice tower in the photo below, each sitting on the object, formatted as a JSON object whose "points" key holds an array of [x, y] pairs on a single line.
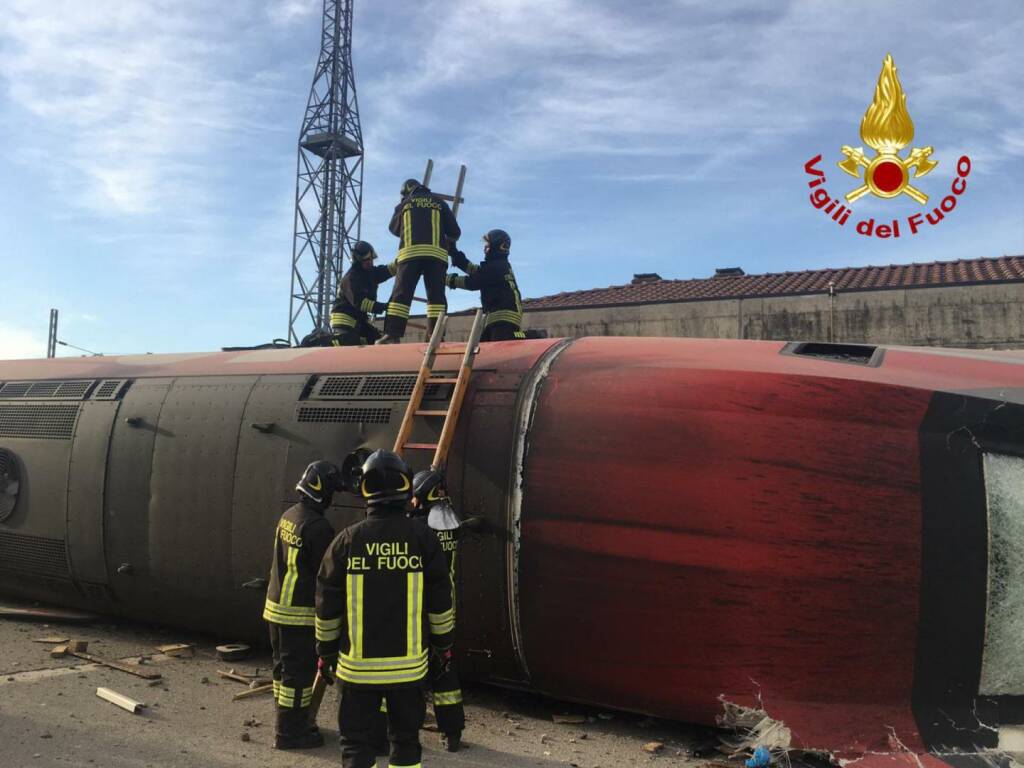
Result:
{"points": [[329, 188]]}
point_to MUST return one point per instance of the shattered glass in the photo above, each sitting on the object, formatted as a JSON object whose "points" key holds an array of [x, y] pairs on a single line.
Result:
{"points": [[1002, 668]]}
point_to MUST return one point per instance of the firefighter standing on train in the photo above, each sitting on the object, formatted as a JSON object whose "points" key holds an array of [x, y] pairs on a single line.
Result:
{"points": [[499, 293], [357, 298], [425, 227], [302, 536], [432, 505], [384, 615]]}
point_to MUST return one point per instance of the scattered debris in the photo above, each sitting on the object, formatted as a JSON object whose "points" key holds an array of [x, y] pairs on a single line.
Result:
{"points": [[47, 614], [119, 699], [544, 739], [246, 737], [252, 722], [233, 652], [653, 747], [752, 728], [46, 736], [70, 650], [178, 650], [761, 758], [156, 682], [569, 719], [241, 677], [49, 640], [204, 680], [253, 692]]}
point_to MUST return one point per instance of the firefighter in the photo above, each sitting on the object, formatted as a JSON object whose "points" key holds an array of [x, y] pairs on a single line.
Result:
{"points": [[426, 227], [432, 505], [302, 536], [499, 293], [357, 298], [384, 615]]}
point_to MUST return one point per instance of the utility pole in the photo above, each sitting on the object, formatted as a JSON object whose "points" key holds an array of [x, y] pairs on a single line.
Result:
{"points": [[329, 184], [51, 342]]}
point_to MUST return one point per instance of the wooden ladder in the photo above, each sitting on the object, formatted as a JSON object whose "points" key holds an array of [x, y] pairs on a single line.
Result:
{"points": [[425, 377]]}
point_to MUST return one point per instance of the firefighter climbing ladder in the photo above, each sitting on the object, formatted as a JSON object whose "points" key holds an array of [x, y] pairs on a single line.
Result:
{"points": [[426, 376]]}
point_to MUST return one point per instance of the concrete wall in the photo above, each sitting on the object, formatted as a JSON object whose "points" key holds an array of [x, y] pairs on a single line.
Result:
{"points": [[960, 316]]}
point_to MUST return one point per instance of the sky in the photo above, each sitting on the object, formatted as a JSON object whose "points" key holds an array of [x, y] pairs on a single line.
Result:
{"points": [[148, 147]]}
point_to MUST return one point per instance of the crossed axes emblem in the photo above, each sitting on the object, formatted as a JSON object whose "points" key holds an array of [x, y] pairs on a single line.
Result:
{"points": [[855, 160]]}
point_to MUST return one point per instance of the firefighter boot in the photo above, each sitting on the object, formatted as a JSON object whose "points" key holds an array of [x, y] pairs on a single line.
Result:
{"points": [[451, 742], [294, 732]]}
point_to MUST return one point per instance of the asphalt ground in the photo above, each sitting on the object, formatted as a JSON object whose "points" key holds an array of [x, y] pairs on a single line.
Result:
{"points": [[50, 714]]}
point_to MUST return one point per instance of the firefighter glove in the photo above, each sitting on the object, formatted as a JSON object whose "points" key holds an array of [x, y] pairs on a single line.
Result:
{"points": [[440, 662], [458, 258], [379, 306], [325, 666], [455, 281]]}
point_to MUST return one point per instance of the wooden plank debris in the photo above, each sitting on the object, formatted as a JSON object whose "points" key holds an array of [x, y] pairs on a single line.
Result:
{"points": [[177, 650], [68, 650], [131, 705], [50, 640], [257, 691]]}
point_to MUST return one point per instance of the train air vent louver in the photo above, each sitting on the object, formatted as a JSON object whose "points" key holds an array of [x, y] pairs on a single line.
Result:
{"points": [[338, 386], [320, 415], [51, 421], [46, 390], [10, 483], [108, 389], [33, 554], [15, 389], [388, 387]]}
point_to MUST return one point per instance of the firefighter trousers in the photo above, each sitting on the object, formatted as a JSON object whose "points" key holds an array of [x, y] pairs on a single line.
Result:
{"points": [[294, 651], [447, 698], [502, 332], [358, 723], [363, 333], [409, 271]]}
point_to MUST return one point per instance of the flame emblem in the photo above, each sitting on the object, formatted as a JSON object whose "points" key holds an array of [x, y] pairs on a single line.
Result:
{"points": [[887, 129]]}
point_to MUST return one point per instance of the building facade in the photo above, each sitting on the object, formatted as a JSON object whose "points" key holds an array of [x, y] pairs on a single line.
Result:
{"points": [[976, 303]]}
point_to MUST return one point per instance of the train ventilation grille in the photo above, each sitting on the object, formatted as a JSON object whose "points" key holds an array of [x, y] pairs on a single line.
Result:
{"points": [[109, 389], [33, 554], [323, 415], [49, 390], [51, 421], [387, 387]]}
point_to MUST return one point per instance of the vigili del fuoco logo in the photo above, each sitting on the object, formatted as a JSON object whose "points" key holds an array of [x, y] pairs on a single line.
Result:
{"points": [[887, 129]]}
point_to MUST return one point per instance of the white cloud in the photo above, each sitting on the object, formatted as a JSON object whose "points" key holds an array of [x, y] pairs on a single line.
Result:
{"points": [[16, 343], [287, 11], [124, 101]]}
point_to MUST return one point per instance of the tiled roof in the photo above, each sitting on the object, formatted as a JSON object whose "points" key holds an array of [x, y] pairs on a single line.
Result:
{"points": [[650, 289]]}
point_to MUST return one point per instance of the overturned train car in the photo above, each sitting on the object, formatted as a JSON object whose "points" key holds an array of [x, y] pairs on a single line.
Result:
{"points": [[832, 532]]}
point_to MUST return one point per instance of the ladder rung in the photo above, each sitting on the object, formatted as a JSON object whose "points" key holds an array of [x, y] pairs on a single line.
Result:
{"points": [[421, 446], [442, 381], [431, 413]]}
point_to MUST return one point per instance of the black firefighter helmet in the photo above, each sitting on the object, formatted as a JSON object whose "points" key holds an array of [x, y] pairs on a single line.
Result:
{"points": [[319, 482], [497, 242], [409, 186], [362, 251], [428, 487], [386, 478]]}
